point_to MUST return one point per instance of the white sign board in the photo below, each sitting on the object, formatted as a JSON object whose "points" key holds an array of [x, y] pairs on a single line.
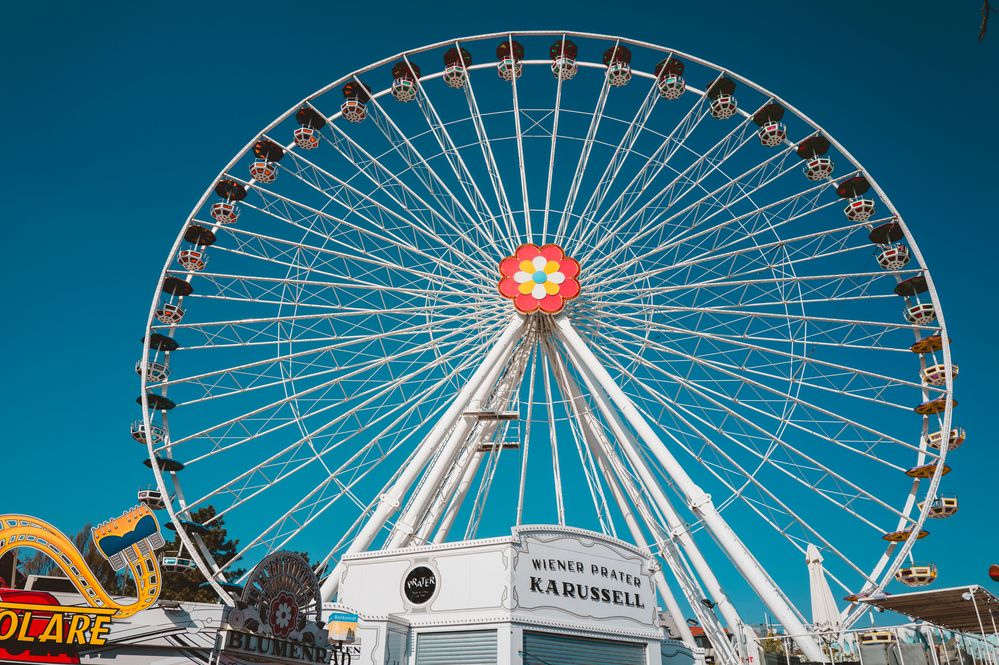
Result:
{"points": [[569, 577]]}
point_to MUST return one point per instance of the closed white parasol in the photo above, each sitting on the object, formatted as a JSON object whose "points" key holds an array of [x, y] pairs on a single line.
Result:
{"points": [[825, 614]]}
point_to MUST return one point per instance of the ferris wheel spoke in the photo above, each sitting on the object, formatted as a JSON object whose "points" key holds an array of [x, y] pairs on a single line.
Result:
{"points": [[465, 342], [355, 202], [657, 161], [359, 335], [359, 267], [837, 282], [767, 458], [615, 163], [715, 398], [417, 162], [551, 154], [685, 181], [369, 293], [259, 470], [654, 220], [563, 230], [769, 217], [745, 342], [307, 218], [733, 311], [739, 375], [798, 250], [484, 215], [520, 156], [750, 478], [387, 180], [485, 146], [269, 372], [733, 371]]}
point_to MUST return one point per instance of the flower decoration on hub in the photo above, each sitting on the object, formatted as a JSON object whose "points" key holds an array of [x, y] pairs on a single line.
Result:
{"points": [[539, 278]]}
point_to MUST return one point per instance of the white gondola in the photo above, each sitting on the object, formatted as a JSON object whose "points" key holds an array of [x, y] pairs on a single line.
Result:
{"points": [[155, 371], [177, 564], [152, 498], [954, 440], [894, 257], [936, 375], [859, 209], [941, 507], [920, 314], [194, 260], [818, 168], [723, 107], [917, 574], [307, 138], [139, 432], [671, 87], [224, 212], [169, 313], [263, 171]]}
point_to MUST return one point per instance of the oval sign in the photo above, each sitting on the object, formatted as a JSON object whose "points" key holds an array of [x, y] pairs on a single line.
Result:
{"points": [[420, 585]]}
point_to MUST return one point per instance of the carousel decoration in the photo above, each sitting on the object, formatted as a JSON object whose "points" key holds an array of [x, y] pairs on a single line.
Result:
{"points": [[279, 600]]}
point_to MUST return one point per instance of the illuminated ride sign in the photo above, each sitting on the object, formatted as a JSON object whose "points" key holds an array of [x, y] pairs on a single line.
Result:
{"points": [[34, 627], [276, 619]]}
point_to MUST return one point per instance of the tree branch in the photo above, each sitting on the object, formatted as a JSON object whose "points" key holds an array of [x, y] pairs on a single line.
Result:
{"points": [[986, 12]]}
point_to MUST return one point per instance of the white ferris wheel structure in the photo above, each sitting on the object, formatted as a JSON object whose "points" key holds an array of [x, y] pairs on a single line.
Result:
{"points": [[554, 277]]}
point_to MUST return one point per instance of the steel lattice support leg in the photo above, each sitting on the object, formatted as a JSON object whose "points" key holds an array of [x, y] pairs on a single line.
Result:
{"points": [[598, 443], [392, 499], [699, 501]]}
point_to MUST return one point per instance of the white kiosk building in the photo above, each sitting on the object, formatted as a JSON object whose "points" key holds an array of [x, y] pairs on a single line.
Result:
{"points": [[544, 595]]}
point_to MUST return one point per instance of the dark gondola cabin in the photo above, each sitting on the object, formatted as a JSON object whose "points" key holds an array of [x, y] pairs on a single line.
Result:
{"points": [[669, 78], [356, 96], [563, 56], [509, 57], [456, 63], [618, 61]]}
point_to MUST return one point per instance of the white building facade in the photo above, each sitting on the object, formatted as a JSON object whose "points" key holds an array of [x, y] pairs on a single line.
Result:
{"points": [[546, 595]]}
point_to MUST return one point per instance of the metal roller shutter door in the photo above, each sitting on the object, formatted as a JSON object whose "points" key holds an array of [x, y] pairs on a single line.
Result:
{"points": [[548, 649], [467, 647]]}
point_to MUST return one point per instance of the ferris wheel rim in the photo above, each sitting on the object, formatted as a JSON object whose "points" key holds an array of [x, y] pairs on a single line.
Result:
{"points": [[941, 325]]}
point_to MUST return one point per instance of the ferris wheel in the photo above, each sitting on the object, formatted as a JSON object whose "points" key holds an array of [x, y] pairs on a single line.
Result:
{"points": [[560, 278]]}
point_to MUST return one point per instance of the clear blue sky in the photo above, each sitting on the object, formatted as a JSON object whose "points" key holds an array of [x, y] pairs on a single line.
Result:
{"points": [[119, 114]]}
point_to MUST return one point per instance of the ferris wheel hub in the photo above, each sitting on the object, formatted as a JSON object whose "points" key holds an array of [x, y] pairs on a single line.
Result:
{"points": [[539, 278]]}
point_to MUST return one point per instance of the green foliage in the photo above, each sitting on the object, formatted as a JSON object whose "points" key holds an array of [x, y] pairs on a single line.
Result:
{"points": [[187, 585]]}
